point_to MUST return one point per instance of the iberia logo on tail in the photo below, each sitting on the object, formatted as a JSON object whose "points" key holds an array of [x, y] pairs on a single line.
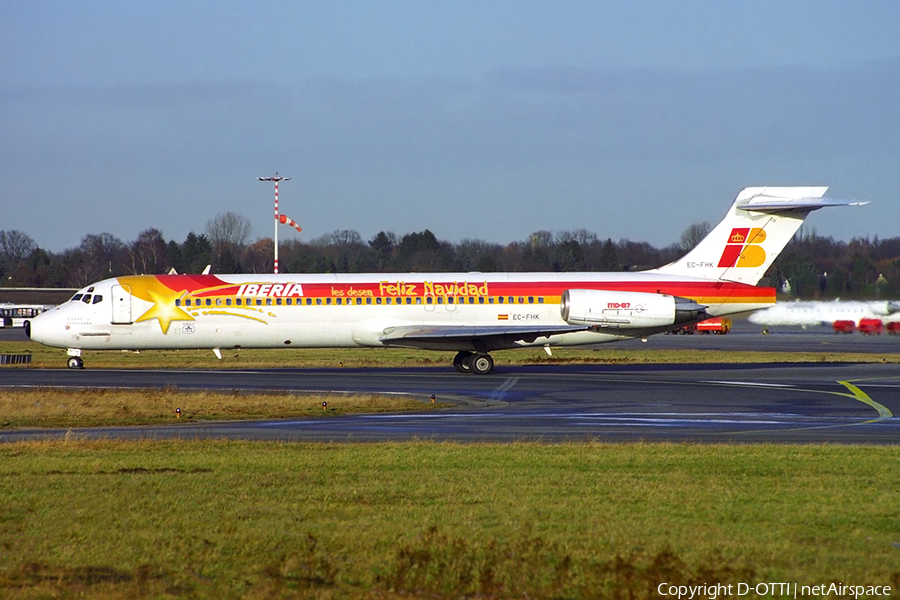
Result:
{"points": [[743, 248]]}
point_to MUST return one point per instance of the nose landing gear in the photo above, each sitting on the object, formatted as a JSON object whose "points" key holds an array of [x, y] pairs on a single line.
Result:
{"points": [[75, 361]]}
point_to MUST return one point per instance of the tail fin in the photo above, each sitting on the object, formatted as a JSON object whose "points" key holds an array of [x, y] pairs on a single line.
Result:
{"points": [[756, 229]]}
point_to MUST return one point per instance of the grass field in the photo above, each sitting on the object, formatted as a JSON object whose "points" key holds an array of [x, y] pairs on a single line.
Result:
{"points": [[110, 407], [217, 519], [426, 520]]}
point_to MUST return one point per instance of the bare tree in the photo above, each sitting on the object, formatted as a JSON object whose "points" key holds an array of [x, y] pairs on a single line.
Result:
{"points": [[148, 253], [694, 234], [15, 246], [104, 252], [259, 256], [228, 230]]}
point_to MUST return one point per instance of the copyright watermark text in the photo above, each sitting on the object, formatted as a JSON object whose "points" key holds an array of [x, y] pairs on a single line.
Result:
{"points": [[779, 589]]}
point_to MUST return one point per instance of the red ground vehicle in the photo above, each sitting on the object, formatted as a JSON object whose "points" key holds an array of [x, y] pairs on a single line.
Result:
{"points": [[716, 325], [844, 326], [870, 326], [893, 327]]}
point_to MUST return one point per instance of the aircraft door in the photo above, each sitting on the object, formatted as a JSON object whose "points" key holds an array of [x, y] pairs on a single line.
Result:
{"points": [[121, 305]]}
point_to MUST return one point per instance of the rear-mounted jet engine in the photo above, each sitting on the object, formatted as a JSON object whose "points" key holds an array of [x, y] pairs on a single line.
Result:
{"points": [[628, 310]]}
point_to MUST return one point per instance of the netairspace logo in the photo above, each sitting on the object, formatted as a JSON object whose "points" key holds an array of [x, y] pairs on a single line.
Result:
{"points": [[769, 589]]}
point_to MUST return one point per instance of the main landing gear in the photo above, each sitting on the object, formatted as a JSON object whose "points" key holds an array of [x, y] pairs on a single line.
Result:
{"points": [[479, 363]]}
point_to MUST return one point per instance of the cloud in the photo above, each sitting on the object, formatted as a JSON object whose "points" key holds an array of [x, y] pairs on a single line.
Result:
{"points": [[437, 137]]}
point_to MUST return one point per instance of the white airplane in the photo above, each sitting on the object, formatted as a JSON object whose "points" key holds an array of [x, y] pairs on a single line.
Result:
{"points": [[828, 313], [471, 313]]}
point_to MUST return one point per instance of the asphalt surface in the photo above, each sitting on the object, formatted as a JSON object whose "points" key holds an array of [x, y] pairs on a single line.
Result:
{"points": [[795, 403], [702, 403], [743, 336]]}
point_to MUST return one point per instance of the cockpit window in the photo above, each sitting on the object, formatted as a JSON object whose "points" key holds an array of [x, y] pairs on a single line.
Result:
{"points": [[90, 289], [86, 299], [77, 297], [98, 298]]}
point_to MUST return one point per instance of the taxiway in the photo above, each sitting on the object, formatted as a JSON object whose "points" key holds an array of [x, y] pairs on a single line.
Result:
{"points": [[797, 403]]}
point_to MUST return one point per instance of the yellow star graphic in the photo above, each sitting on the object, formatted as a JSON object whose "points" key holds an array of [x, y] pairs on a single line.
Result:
{"points": [[164, 310]]}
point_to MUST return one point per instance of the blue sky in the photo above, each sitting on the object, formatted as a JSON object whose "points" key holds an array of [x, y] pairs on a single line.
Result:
{"points": [[473, 119]]}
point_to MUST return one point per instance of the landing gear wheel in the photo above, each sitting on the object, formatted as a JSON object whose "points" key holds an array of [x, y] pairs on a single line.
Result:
{"points": [[461, 362], [481, 364], [75, 362]]}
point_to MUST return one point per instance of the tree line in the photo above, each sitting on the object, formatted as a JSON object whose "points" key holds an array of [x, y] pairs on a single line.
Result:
{"points": [[810, 267]]}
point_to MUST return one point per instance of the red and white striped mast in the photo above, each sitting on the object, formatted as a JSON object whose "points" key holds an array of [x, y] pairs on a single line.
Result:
{"points": [[276, 179]]}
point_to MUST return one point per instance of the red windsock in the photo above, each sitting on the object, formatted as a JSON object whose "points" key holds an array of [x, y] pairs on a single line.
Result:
{"points": [[285, 219]]}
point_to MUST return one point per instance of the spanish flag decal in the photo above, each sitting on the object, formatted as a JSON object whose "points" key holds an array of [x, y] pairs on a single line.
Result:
{"points": [[503, 317]]}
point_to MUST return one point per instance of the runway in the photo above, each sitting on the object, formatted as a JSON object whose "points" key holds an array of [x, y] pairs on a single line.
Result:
{"points": [[794, 403]]}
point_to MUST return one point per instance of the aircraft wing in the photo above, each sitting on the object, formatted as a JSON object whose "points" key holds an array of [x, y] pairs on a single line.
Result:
{"points": [[441, 333]]}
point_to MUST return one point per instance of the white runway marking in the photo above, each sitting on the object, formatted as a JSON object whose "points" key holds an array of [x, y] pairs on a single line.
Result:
{"points": [[751, 384], [498, 393]]}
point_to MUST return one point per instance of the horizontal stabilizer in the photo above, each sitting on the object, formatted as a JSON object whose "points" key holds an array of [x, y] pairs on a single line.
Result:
{"points": [[767, 203]]}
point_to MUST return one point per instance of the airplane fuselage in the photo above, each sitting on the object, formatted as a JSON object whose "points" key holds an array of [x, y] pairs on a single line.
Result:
{"points": [[278, 311]]}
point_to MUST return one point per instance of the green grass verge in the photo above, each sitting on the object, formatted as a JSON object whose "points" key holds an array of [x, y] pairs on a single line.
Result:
{"points": [[425, 520], [43, 356], [112, 407]]}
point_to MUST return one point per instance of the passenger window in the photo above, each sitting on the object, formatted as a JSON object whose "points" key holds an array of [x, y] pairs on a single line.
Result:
{"points": [[278, 301], [209, 301], [471, 300], [377, 300], [339, 301], [368, 301], [227, 301], [540, 299], [450, 300], [481, 300], [440, 300], [98, 298], [530, 299], [268, 302], [318, 301], [259, 301], [218, 302], [512, 300], [359, 301], [429, 300], [177, 302], [237, 301], [409, 301], [500, 299], [308, 301]]}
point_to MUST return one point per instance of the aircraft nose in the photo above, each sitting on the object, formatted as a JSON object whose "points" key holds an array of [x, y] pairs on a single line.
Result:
{"points": [[43, 327]]}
